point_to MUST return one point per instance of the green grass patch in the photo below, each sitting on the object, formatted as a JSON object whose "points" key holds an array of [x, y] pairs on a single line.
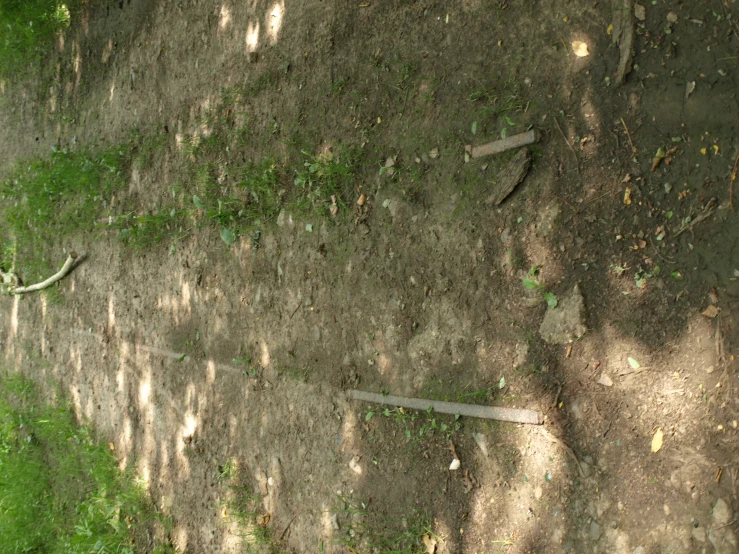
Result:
{"points": [[215, 184], [369, 530], [46, 199], [244, 507], [27, 31], [61, 491]]}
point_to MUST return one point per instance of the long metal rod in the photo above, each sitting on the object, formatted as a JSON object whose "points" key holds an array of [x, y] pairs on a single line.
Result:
{"points": [[470, 410]]}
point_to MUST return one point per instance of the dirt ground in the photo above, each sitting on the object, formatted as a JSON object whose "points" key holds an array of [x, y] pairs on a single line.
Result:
{"points": [[206, 362]]}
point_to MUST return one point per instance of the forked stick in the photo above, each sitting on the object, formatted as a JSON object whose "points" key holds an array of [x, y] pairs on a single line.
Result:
{"points": [[66, 268]]}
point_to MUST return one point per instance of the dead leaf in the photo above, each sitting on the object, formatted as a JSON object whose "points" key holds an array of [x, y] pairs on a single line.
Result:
{"points": [[657, 440], [672, 17], [657, 158], [605, 380], [455, 464], [361, 200], [111, 446], [429, 543], [434, 153], [627, 196], [711, 311], [689, 88], [580, 48], [640, 12], [263, 520], [627, 178]]}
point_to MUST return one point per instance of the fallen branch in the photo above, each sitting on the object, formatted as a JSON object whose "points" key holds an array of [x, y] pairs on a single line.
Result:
{"points": [[510, 177], [454, 408], [66, 268], [631, 142], [509, 143], [624, 34]]}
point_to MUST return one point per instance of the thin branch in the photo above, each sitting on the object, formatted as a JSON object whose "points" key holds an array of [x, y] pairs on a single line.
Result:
{"points": [[567, 142], [631, 142], [66, 268]]}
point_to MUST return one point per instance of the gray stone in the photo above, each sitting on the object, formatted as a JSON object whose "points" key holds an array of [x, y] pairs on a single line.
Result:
{"points": [[723, 540], [482, 442], [566, 322], [699, 534], [722, 513], [594, 531]]}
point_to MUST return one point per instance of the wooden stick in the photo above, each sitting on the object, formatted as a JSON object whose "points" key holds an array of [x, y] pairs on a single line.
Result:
{"points": [[567, 142], [631, 142], [66, 268], [509, 143], [454, 408]]}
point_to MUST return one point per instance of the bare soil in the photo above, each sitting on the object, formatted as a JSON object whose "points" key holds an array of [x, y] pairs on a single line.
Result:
{"points": [[420, 292]]}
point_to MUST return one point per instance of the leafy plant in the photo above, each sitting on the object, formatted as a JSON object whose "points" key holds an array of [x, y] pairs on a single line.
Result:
{"points": [[531, 282]]}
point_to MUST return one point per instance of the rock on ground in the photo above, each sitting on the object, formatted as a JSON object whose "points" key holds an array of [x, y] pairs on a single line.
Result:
{"points": [[566, 322]]}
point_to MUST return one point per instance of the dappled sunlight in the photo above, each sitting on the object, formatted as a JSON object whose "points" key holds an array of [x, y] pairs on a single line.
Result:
{"points": [[327, 528], [179, 538], [107, 51], [178, 306], [273, 21], [125, 442], [210, 372], [252, 36], [264, 356], [144, 390], [592, 119], [224, 18], [14, 319]]}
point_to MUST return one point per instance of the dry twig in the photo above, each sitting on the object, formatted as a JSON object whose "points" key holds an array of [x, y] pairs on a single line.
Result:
{"points": [[567, 142], [631, 142]]}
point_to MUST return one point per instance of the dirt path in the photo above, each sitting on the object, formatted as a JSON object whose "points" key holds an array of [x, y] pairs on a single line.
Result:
{"points": [[206, 363]]}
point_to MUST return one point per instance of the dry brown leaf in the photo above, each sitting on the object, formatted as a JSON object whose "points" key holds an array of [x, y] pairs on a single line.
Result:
{"points": [[580, 48], [640, 12], [627, 196], [712, 311], [361, 200], [657, 440], [111, 446]]}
